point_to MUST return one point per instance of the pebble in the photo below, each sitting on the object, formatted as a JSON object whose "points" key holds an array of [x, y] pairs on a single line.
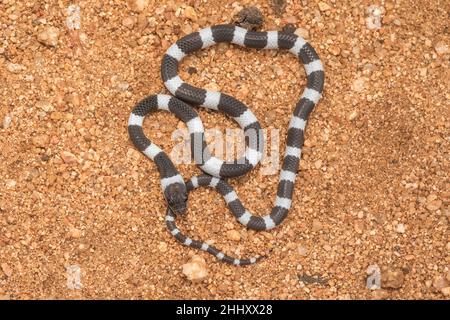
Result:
{"points": [[318, 164], [433, 203], [334, 50], [400, 228], [68, 157], [73, 20], [446, 291], [190, 13], [233, 235], [162, 247], [10, 183], [212, 86], [139, 5], [301, 32], [352, 116], [359, 226], [302, 251], [323, 6], [373, 20], [392, 279], [441, 48], [379, 294], [14, 67], [45, 105], [358, 84], [129, 22], [316, 225], [123, 86], [440, 282], [7, 270], [7, 121], [187, 29], [195, 270], [75, 233], [40, 141], [49, 36]]}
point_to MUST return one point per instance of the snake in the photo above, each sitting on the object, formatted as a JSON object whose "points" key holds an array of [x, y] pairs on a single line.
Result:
{"points": [[215, 171]]}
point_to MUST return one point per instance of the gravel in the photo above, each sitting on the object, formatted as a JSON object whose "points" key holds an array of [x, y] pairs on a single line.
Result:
{"points": [[375, 156]]}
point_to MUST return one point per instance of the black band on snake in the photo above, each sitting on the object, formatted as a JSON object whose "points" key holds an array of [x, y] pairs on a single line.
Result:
{"points": [[173, 185]]}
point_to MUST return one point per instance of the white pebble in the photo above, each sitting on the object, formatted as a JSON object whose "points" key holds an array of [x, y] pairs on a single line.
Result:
{"points": [[373, 20], [7, 121]]}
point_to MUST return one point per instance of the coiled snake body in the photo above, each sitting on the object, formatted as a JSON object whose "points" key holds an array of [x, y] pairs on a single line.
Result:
{"points": [[172, 183]]}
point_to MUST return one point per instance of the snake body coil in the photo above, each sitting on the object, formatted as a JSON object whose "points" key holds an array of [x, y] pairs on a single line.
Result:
{"points": [[173, 185]]}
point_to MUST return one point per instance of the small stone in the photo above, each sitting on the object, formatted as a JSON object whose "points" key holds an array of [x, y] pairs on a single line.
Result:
{"points": [[400, 228], [441, 48], [324, 6], [448, 247], [7, 121], [446, 291], [316, 225], [68, 158], [318, 164], [358, 84], [61, 116], [233, 235], [10, 183], [73, 99], [249, 18], [392, 279], [352, 116], [334, 50], [139, 5], [190, 13], [423, 72], [212, 86], [187, 29], [75, 233], [123, 86], [162, 247], [40, 141], [379, 294], [359, 226], [133, 154], [195, 270], [129, 22], [49, 36], [44, 105], [302, 251], [433, 203], [14, 67], [7, 270], [301, 32], [440, 282], [373, 19], [291, 20]]}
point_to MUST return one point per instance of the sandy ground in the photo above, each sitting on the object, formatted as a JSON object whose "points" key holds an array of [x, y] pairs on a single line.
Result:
{"points": [[373, 189]]}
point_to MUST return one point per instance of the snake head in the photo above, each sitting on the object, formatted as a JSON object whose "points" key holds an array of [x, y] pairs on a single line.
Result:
{"points": [[177, 196]]}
